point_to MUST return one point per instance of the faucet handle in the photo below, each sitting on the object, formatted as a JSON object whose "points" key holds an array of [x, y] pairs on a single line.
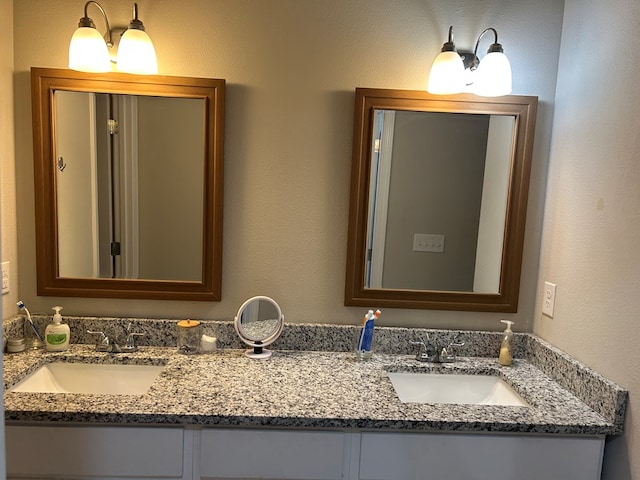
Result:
{"points": [[446, 355], [132, 335], [422, 355], [421, 343], [130, 344], [456, 342], [102, 344]]}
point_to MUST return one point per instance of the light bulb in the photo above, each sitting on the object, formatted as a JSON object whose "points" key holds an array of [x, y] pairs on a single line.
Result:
{"points": [[136, 53], [88, 51], [493, 76], [447, 74]]}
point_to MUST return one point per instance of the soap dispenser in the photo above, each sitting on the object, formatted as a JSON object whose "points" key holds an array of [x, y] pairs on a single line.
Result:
{"points": [[506, 345], [57, 334]]}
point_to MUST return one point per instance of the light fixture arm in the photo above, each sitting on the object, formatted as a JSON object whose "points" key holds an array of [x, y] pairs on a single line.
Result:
{"points": [[87, 22], [135, 23], [449, 46], [494, 47]]}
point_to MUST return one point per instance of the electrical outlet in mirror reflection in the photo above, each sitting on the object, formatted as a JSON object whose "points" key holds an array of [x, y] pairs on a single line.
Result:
{"points": [[423, 242]]}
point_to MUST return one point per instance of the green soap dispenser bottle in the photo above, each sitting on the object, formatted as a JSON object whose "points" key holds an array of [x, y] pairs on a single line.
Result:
{"points": [[506, 345], [57, 334]]}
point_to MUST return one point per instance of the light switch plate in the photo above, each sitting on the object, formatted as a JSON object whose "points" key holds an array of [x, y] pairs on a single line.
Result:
{"points": [[549, 299], [424, 242], [5, 277]]}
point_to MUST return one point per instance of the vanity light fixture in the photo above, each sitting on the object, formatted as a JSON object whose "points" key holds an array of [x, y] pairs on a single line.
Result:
{"points": [[89, 51], [136, 53], [456, 72], [447, 72]]}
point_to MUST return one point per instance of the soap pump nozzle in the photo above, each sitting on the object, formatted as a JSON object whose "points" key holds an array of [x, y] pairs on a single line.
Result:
{"points": [[509, 323], [57, 318]]}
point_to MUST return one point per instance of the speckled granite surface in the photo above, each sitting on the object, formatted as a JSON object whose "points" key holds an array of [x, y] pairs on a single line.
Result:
{"points": [[295, 336], [602, 395], [298, 389], [313, 381]]}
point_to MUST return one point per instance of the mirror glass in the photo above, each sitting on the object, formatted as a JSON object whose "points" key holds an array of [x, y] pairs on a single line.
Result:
{"points": [[259, 322], [427, 184], [130, 168], [128, 174], [438, 200]]}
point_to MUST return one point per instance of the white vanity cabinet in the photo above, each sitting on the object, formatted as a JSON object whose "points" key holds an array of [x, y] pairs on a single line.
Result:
{"points": [[273, 454], [96, 452], [127, 453], [457, 456]]}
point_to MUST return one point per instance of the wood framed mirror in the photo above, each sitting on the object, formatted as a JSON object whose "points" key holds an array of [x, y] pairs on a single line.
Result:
{"points": [[439, 189], [128, 174]]}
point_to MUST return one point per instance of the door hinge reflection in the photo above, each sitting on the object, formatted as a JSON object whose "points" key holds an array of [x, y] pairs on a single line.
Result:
{"points": [[115, 249]]}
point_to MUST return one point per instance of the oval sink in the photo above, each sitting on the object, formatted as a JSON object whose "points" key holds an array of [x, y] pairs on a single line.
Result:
{"points": [[450, 388], [88, 378]]}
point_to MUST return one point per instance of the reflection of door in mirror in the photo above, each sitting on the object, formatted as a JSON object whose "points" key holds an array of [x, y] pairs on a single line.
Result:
{"points": [[129, 186], [439, 184]]}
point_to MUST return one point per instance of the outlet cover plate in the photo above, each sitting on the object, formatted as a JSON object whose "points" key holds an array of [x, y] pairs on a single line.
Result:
{"points": [[549, 299], [425, 242]]}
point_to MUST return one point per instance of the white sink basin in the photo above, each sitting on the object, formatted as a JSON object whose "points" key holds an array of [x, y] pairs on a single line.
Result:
{"points": [[88, 378], [449, 388]]}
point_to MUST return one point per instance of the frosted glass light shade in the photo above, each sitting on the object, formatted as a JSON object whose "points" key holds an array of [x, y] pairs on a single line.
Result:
{"points": [[136, 53], [88, 51], [447, 74], [493, 76]]}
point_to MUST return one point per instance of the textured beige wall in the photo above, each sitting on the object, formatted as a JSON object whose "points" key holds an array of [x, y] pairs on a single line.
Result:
{"points": [[8, 242], [7, 180], [292, 67], [591, 240]]}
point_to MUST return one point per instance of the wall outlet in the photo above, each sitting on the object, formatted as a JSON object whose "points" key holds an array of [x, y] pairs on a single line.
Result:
{"points": [[549, 299], [5, 277], [424, 242]]}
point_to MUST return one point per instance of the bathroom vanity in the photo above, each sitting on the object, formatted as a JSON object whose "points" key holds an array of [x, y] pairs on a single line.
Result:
{"points": [[313, 414]]}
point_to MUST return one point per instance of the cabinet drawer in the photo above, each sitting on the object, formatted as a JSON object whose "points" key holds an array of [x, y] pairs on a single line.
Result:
{"points": [[277, 454], [442, 456], [94, 451]]}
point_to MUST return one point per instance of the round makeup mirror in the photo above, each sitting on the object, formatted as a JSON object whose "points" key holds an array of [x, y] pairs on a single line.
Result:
{"points": [[259, 322]]}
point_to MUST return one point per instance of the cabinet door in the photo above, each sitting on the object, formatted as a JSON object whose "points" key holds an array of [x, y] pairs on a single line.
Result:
{"points": [[94, 452], [273, 454], [442, 456]]}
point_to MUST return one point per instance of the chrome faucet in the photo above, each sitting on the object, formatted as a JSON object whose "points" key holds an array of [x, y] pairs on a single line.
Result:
{"points": [[103, 344], [130, 343], [440, 355], [111, 345], [114, 347]]}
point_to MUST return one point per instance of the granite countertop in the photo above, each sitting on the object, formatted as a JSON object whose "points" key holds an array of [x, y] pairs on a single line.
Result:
{"points": [[298, 389]]}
